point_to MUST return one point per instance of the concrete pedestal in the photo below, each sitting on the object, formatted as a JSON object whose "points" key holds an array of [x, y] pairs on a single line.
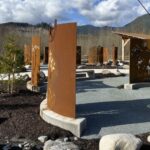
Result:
{"points": [[76, 126]]}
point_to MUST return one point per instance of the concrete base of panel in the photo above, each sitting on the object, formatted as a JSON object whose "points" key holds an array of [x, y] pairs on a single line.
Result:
{"points": [[132, 86], [76, 126]]}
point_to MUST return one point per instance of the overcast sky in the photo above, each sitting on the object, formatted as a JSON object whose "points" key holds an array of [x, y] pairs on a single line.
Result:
{"points": [[95, 12]]}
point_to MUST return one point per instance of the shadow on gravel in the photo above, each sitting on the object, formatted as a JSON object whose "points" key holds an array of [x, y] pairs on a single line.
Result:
{"points": [[86, 85], [107, 114]]}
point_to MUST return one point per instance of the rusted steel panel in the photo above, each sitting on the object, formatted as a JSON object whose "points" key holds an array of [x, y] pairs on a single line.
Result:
{"points": [[92, 56], [35, 60], [61, 69], [27, 54], [95, 55], [46, 52], [105, 55], [100, 54], [139, 61], [115, 55], [78, 55]]}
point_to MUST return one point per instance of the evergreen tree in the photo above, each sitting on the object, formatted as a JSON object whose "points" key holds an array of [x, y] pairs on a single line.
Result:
{"points": [[11, 62]]}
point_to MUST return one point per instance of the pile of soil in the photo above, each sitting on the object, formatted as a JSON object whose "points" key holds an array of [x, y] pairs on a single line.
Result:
{"points": [[19, 118]]}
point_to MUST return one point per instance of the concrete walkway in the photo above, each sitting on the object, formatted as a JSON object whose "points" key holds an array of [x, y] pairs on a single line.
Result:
{"points": [[109, 109]]}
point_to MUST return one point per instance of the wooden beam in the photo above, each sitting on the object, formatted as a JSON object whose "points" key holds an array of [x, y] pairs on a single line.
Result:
{"points": [[124, 43]]}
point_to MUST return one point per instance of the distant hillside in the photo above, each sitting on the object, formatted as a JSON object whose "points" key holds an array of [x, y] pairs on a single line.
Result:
{"points": [[15, 24], [140, 25], [85, 29], [24, 33], [88, 36]]}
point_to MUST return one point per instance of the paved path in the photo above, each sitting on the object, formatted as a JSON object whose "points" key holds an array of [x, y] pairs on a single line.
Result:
{"points": [[112, 110]]}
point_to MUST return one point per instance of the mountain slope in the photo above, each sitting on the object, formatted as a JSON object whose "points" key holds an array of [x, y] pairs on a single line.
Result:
{"points": [[88, 36], [140, 25]]}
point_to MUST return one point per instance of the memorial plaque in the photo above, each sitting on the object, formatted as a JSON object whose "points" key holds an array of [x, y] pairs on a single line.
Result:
{"points": [[139, 60], [62, 69], [35, 60], [27, 54], [115, 55]]}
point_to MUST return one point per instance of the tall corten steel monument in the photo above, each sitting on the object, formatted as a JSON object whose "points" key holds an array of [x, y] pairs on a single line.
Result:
{"points": [[139, 60], [139, 72], [78, 55], [61, 96], [27, 54], [35, 60], [105, 55], [115, 55], [46, 52]]}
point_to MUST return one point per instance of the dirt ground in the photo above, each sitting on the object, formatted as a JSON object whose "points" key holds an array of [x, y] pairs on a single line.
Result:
{"points": [[19, 118]]}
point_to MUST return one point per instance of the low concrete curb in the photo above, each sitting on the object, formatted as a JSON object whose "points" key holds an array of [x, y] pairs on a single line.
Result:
{"points": [[89, 74], [129, 86], [76, 126]]}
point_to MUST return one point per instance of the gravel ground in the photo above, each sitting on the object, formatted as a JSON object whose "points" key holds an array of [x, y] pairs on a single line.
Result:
{"points": [[109, 109], [20, 119]]}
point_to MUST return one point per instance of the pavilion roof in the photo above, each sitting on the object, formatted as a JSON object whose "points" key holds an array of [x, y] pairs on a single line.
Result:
{"points": [[133, 35]]}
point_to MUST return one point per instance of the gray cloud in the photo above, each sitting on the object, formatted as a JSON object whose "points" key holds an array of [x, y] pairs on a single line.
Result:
{"points": [[105, 12]]}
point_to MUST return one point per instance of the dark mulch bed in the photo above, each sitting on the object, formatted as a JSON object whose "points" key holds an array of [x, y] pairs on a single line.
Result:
{"points": [[110, 75], [143, 137], [19, 117], [19, 114], [107, 66], [98, 67]]}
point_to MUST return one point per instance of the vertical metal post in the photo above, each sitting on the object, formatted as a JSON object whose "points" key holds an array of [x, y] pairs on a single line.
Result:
{"points": [[35, 60], [78, 55], [115, 55], [105, 55], [46, 53], [27, 54]]}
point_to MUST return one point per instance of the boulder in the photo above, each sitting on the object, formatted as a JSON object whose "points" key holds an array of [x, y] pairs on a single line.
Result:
{"points": [[42, 139], [59, 145], [66, 139], [148, 138], [106, 72], [75, 138], [120, 142], [126, 67]]}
